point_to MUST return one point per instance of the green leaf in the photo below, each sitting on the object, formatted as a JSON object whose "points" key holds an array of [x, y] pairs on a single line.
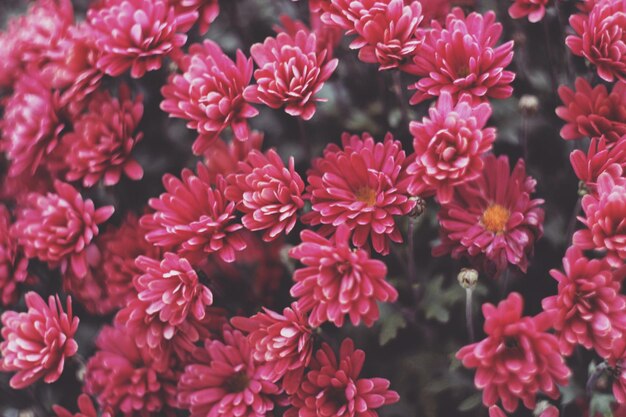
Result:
{"points": [[601, 404], [470, 402], [390, 326]]}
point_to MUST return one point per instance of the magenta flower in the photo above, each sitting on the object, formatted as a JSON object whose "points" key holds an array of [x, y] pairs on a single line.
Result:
{"points": [[126, 379], [85, 406], [194, 219], [599, 158], [207, 11], [589, 308], [103, 138], [338, 281], [222, 159], [58, 227], [601, 38], [518, 359], [449, 146], [534, 9], [13, 264], [593, 111], [363, 186], [282, 344], [387, 35], [138, 34], [268, 193], [462, 57], [332, 386], [37, 342], [492, 220], [209, 94], [605, 215], [291, 72], [28, 140], [226, 381]]}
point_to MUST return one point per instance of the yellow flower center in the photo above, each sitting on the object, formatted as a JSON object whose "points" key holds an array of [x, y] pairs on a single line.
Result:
{"points": [[495, 218], [366, 195]]}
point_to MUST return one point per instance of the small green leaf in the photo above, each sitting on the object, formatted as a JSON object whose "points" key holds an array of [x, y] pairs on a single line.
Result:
{"points": [[390, 326], [470, 402], [601, 404]]}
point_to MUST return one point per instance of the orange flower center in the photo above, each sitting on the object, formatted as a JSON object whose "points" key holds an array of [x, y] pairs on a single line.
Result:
{"points": [[366, 195], [495, 218]]}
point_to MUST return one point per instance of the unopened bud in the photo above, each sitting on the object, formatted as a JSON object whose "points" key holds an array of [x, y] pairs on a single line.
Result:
{"points": [[26, 413], [420, 207], [528, 104], [468, 278], [582, 189]]}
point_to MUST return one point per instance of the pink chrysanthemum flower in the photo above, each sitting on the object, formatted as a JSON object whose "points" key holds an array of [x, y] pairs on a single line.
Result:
{"points": [[534, 9], [388, 35], [291, 72], [548, 411], [345, 13], [13, 264], [222, 159], [338, 281], [58, 227], [332, 386], [31, 125], [492, 220], [207, 11], [268, 193], [462, 57], [226, 381], [449, 146], [209, 94], [327, 37], [37, 342], [193, 218], [605, 215], [121, 246], [282, 344], [364, 186], [103, 138], [169, 296], [598, 159], [518, 359], [126, 379], [85, 407], [601, 38], [138, 34], [588, 310], [593, 111]]}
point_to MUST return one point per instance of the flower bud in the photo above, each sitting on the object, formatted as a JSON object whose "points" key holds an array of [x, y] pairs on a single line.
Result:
{"points": [[420, 207], [468, 278], [528, 104]]}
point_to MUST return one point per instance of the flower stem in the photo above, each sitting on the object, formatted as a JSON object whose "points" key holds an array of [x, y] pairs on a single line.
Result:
{"points": [[469, 316], [306, 145], [571, 225], [397, 88], [411, 252], [553, 75]]}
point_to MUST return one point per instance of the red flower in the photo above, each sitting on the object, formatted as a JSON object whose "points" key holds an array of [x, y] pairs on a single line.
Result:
{"points": [[169, 298], [58, 227], [338, 281], [13, 265], [599, 158], [85, 405], [461, 57], [593, 111], [327, 37], [102, 141], [121, 245], [345, 13], [194, 219], [547, 411], [449, 145], [223, 159], [138, 34], [126, 379], [387, 35], [604, 219], [332, 386], [268, 193], [534, 9], [492, 220], [589, 308], [517, 359], [291, 72], [601, 38], [37, 342], [207, 11], [281, 343], [364, 186], [226, 381], [27, 139], [209, 94]]}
